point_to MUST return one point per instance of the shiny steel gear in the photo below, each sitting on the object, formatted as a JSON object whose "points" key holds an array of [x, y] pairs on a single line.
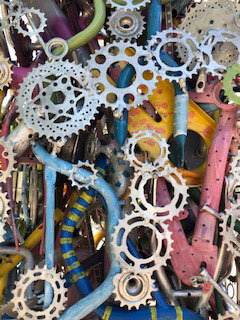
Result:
{"points": [[150, 138], [127, 227], [126, 24], [59, 297], [102, 62], [204, 16], [84, 165], [11, 19], [5, 72], [230, 236], [6, 147], [193, 56], [220, 50], [4, 206], [128, 4], [38, 19], [133, 289], [63, 102], [148, 210], [231, 73]]}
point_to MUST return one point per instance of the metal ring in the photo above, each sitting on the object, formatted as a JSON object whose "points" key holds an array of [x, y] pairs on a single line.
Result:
{"points": [[56, 42]]}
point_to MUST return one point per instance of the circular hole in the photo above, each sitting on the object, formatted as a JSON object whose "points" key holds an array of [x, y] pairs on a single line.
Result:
{"points": [[113, 51], [111, 98], [147, 75], [110, 70], [134, 287], [100, 59], [130, 51], [126, 22]]}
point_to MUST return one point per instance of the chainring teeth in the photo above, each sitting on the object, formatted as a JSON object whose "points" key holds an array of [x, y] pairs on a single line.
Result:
{"points": [[40, 274], [68, 106], [141, 265], [127, 4], [123, 52], [232, 72], [39, 29], [9, 155]]}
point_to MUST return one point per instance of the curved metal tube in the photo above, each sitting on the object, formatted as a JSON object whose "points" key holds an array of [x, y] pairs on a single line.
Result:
{"points": [[93, 300], [21, 252]]}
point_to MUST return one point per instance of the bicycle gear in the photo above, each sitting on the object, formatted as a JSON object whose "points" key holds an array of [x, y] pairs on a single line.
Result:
{"points": [[5, 72], [128, 4], [13, 9], [151, 138], [156, 259], [61, 104], [133, 289], [230, 236], [193, 54], [141, 86], [88, 166], [59, 297], [6, 148], [126, 24], [149, 211], [38, 19], [204, 17], [220, 50], [231, 73], [4, 206]]}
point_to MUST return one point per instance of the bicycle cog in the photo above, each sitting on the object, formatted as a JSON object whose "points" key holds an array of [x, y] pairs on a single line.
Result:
{"points": [[63, 102], [229, 316], [5, 72], [37, 17], [154, 260], [220, 50], [128, 4], [204, 16], [230, 236], [231, 73], [123, 52], [142, 138], [4, 205], [149, 211], [59, 297], [92, 178], [133, 289], [193, 56], [6, 148], [13, 9], [126, 24]]}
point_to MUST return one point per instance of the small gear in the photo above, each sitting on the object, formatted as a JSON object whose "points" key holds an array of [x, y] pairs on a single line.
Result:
{"points": [[231, 73], [128, 4], [55, 100], [204, 16], [156, 259], [122, 53], [92, 178], [133, 289], [229, 316], [149, 211], [6, 148], [230, 236], [13, 9], [92, 147], [38, 19], [126, 24], [59, 297], [220, 50], [5, 72], [193, 54], [4, 206], [142, 138]]}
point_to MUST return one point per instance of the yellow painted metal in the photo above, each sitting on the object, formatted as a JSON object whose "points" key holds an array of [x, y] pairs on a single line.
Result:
{"points": [[98, 237], [163, 101]]}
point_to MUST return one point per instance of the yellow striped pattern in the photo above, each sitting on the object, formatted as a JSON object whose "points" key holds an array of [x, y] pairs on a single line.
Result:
{"points": [[179, 313], [79, 207], [107, 313], [67, 228], [154, 313], [78, 276], [73, 216], [65, 240], [68, 254], [86, 197], [73, 266]]}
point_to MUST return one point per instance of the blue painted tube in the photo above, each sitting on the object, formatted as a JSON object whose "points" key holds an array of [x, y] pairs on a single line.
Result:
{"points": [[154, 18], [121, 125], [103, 292], [50, 178]]}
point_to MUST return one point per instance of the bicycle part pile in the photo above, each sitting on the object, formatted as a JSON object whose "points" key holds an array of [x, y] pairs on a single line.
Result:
{"points": [[120, 159]]}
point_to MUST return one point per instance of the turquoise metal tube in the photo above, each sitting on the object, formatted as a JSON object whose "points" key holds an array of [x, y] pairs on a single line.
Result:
{"points": [[103, 292], [50, 178]]}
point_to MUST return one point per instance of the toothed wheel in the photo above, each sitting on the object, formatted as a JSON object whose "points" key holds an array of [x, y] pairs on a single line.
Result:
{"points": [[6, 149], [128, 4], [231, 73]]}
